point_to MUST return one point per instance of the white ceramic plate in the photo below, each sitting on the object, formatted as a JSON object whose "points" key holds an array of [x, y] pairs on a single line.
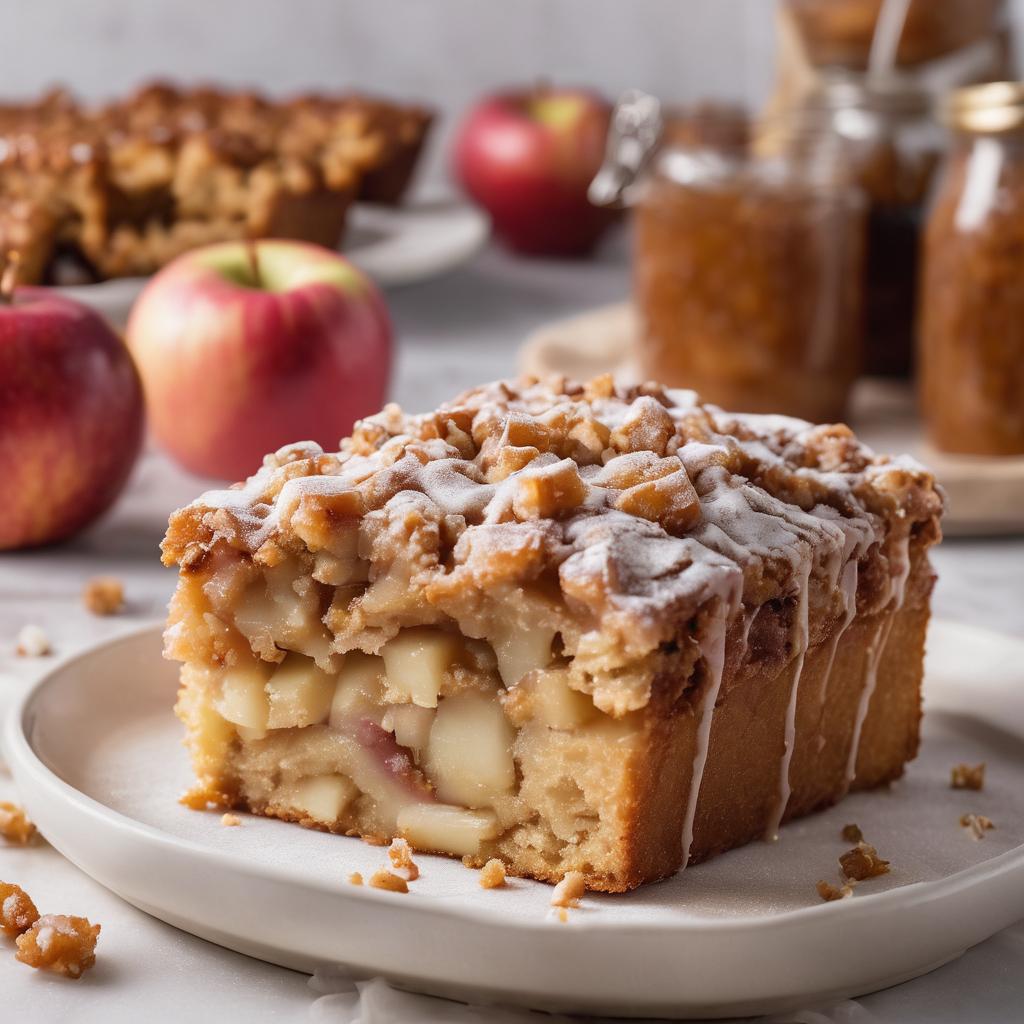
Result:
{"points": [[97, 756], [394, 245]]}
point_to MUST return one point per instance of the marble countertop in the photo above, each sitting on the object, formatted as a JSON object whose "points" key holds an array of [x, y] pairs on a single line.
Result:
{"points": [[453, 333]]}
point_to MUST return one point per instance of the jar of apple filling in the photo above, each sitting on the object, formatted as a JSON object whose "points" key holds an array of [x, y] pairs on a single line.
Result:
{"points": [[971, 343], [746, 271]]}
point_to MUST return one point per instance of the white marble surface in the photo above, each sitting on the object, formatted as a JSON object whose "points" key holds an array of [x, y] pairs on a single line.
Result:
{"points": [[455, 332]]}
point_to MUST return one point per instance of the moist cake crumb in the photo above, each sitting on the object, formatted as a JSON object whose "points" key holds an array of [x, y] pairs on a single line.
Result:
{"points": [[863, 862], [355, 878], [230, 820], [852, 834], [32, 642], [967, 776], [492, 874], [384, 879], [17, 911], [976, 824], [64, 945], [569, 890], [103, 595], [14, 824], [400, 855]]}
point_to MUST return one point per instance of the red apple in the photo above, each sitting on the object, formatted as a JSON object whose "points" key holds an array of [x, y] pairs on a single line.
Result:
{"points": [[70, 417], [527, 158], [245, 347]]}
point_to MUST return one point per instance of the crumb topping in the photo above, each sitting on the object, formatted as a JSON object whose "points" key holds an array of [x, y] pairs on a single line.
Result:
{"points": [[492, 874], [230, 820], [61, 944], [400, 855], [14, 824], [103, 595], [355, 878], [852, 834], [616, 514], [967, 776], [17, 911], [976, 825], [384, 879], [863, 862], [829, 893]]}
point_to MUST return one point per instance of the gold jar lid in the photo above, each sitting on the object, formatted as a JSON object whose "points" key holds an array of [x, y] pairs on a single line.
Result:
{"points": [[991, 109]]}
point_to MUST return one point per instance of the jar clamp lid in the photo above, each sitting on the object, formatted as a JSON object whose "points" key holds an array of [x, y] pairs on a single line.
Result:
{"points": [[636, 129], [993, 108]]}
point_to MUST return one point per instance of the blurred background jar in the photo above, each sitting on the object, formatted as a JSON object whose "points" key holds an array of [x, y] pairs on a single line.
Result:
{"points": [[972, 295], [746, 269]]}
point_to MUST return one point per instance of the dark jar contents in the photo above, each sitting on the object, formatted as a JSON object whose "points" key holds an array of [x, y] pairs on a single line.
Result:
{"points": [[972, 297], [747, 283]]}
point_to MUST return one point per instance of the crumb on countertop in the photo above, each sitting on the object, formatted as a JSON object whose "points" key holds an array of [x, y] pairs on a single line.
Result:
{"points": [[863, 862], [829, 892], [17, 911], [569, 890], [492, 874], [355, 878], [14, 824], [32, 642], [976, 824], [103, 595], [967, 776], [230, 820], [384, 879], [852, 834], [58, 943], [400, 855]]}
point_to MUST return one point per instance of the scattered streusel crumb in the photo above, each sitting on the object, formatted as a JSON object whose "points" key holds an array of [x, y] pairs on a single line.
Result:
{"points": [[103, 595], [863, 862], [400, 855], [569, 890], [492, 874], [968, 776], [17, 911], [829, 892], [14, 824], [355, 878], [230, 820], [976, 824], [384, 879], [852, 834], [64, 945], [32, 642], [375, 840]]}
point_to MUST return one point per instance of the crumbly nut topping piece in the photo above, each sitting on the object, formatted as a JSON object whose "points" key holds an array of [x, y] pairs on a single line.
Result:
{"points": [[58, 943], [852, 834], [400, 855], [968, 776], [14, 824], [976, 825], [355, 878], [17, 911], [569, 890], [492, 874], [863, 862], [830, 893], [32, 642], [103, 595], [384, 879], [230, 820]]}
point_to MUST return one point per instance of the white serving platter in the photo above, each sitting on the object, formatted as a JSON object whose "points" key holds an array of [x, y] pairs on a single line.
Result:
{"points": [[96, 754], [395, 245]]}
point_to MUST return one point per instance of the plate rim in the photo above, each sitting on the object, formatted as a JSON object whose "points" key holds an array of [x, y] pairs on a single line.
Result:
{"points": [[24, 759]]}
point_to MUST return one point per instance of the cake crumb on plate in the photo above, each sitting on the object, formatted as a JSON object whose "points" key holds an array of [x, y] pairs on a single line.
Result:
{"points": [[230, 820], [400, 855], [32, 642], [967, 776], [976, 824], [384, 879], [103, 595], [569, 890]]}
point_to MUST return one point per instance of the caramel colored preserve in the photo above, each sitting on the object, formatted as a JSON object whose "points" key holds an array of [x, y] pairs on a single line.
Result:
{"points": [[971, 344]]}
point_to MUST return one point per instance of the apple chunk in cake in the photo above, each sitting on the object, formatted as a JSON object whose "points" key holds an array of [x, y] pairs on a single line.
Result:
{"points": [[573, 627]]}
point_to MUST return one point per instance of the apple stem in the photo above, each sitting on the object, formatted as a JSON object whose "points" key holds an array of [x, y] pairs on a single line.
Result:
{"points": [[254, 261], [9, 277]]}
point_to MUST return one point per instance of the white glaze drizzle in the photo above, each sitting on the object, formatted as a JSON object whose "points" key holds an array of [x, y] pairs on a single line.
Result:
{"points": [[848, 588], [874, 657]]}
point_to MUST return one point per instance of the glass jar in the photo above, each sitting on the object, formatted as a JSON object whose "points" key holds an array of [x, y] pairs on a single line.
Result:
{"points": [[886, 140], [747, 272], [972, 294]]}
